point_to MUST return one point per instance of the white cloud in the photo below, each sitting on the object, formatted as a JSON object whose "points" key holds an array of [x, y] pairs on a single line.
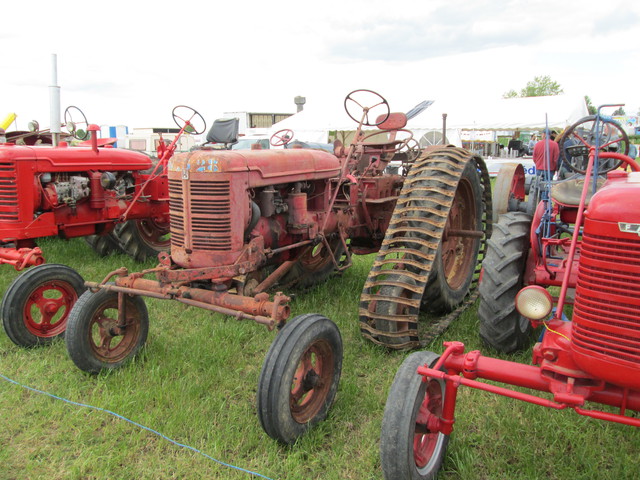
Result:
{"points": [[131, 62]]}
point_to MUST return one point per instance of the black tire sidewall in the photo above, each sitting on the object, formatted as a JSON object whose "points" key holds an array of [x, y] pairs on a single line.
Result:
{"points": [[398, 424], [279, 367], [77, 337], [22, 287]]}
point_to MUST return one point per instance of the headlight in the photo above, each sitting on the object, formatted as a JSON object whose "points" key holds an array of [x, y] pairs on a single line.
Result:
{"points": [[534, 302]]}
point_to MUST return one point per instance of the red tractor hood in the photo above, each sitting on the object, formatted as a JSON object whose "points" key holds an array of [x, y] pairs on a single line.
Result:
{"points": [[264, 167], [74, 159], [618, 201]]}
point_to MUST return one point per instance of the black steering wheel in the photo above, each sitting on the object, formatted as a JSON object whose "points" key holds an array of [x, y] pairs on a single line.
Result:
{"points": [[189, 118], [281, 137], [578, 139], [72, 125], [379, 108]]}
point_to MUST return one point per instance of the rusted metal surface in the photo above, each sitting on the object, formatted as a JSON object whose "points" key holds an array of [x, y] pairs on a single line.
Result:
{"points": [[259, 308], [426, 215]]}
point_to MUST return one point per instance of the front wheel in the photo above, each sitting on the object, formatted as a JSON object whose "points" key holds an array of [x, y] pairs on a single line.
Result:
{"points": [[96, 339], [299, 377], [408, 449], [36, 306]]}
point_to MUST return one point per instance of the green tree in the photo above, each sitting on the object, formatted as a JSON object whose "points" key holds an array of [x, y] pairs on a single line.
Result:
{"points": [[590, 108], [619, 112], [538, 87]]}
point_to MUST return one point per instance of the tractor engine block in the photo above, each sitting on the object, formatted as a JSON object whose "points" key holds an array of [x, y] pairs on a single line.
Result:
{"points": [[229, 206]]}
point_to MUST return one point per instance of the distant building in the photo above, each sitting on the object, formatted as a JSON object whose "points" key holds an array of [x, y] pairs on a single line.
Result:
{"points": [[252, 123], [146, 140]]}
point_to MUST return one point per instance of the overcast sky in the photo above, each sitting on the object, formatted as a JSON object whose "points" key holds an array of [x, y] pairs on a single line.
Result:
{"points": [[130, 62]]}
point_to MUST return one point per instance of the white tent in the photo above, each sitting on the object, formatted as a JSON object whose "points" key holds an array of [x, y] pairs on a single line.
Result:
{"points": [[532, 113]]}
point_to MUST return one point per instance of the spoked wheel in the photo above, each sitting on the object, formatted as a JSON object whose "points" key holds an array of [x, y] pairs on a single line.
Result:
{"points": [[365, 106], [189, 119], [299, 377], [76, 122], [37, 304], [143, 239], [576, 141], [315, 265], [501, 325], [456, 259], [408, 448], [96, 338], [397, 305]]}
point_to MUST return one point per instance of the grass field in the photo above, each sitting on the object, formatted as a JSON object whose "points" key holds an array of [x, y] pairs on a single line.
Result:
{"points": [[195, 382]]}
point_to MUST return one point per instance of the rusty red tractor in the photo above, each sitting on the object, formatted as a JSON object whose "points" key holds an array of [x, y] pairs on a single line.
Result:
{"points": [[566, 236], [115, 198], [244, 222]]}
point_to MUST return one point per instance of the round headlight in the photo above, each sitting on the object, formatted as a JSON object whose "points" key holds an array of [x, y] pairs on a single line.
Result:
{"points": [[534, 302], [108, 180]]}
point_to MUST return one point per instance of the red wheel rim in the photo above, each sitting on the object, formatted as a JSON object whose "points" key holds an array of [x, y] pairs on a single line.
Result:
{"points": [[311, 381], [425, 442], [109, 341], [153, 234], [48, 307], [458, 252]]}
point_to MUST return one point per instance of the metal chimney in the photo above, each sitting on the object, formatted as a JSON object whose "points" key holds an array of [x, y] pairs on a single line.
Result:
{"points": [[54, 102], [299, 101]]}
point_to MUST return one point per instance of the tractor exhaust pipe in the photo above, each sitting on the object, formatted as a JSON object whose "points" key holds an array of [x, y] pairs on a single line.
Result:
{"points": [[54, 102]]}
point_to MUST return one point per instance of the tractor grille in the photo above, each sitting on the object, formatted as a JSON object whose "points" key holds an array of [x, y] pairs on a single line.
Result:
{"points": [[605, 319], [8, 192], [209, 211]]}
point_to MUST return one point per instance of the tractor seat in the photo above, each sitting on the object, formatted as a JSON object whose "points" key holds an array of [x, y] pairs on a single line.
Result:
{"points": [[224, 130], [395, 121], [568, 193]]}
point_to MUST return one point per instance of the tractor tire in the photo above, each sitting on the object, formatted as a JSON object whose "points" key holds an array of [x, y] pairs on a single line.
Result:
{"points": [[37, 305], [299, 377], [501, 326], [396, 307], [452, 275], [103, 245], [432, 248], [404, 452], [95, 341], [314, 266], [143, 239]]}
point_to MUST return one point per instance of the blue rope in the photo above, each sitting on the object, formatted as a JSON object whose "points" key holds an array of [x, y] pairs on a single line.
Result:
{"points": [[136, 424]]}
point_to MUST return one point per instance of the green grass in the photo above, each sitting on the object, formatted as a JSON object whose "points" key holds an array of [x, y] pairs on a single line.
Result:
{"points": [[196, 383]]}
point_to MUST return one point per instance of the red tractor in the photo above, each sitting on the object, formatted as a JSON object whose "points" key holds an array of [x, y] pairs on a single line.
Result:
{"points": [[578, 241], [112, 197], [243, 222]]}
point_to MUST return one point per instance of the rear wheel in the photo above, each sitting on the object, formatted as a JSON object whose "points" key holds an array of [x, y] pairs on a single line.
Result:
{"points": [[397, 305], [457, 255], [509, 186], [143, 239], [315, 265], [96, 339], [299, 377], [501, 326], [36, 306], [103, 245], [408, 449]]}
